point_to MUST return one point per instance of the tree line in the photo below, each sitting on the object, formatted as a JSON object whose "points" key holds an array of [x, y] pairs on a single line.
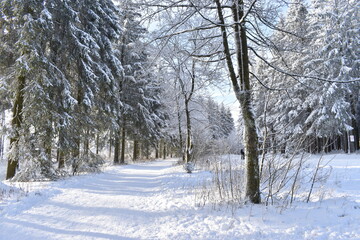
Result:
{"points": [[72, 72], [315, 107], [78, 78], [79, 75], [293, 66]]}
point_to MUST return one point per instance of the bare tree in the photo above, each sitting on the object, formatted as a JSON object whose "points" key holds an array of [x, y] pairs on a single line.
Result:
{"points": [[245, 30], [240, 80], [238, 66]]}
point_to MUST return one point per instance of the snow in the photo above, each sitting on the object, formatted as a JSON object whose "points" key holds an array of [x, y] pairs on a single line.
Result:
{"points": [[156, 200]]}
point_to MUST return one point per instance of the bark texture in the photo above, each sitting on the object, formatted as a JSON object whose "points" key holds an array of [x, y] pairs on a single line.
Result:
{"points": [[240, 80], [16, 124]]}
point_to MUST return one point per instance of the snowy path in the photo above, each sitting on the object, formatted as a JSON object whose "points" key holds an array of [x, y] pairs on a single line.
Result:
{"points": [[155, 201], [140, 201], [122, 203]]}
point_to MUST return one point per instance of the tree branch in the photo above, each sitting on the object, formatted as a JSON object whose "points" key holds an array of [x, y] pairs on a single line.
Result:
{"points": [[295, 75]]}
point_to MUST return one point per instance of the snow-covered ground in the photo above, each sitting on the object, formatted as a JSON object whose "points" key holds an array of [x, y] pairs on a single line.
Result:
{"points": [[156, 201]]}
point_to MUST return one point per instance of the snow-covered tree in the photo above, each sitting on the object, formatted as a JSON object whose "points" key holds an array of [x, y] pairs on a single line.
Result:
{"points": [[140, 116], [334, 56], [59, 71], [26, 28], [317, 99], [221, 122], [279, 109]]}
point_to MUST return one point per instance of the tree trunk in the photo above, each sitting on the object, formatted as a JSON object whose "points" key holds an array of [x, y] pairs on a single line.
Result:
{"points": [[164, 150], [13, 160], [2, 136], [187, 94], [251, 153], [48, 143], [110, 143], [181, 141], [338, 143], [157, 151], [344, 140], [79, 130], [188, 145], [318, 145], [60, 150], [123, 142], [87, 143], [76, 155], [146, 150], [242, 90], [160, 148], [60, 158], [136, 150], [117, 149], [97, 143]]}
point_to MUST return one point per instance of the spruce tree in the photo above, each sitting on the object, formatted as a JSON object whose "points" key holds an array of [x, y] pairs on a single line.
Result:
{"points": [[60, 69]]}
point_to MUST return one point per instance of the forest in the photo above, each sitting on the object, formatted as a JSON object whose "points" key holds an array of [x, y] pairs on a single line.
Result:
{"points": [[85, 81]]}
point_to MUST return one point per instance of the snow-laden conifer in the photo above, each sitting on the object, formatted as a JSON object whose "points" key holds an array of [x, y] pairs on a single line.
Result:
{"points": [[62, 68]]}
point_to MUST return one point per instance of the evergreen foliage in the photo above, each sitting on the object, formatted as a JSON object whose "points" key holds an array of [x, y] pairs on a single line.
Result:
{"points": [[79, 75], [62, 75], [317, 101]]}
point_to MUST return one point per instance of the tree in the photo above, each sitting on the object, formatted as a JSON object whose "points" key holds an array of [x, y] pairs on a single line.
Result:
{"points": [[53, 99], [239, 72], [27, 65], [280, 104], [240, 80], [141, 117], [221, 122], [316, 101], [334, 57], [182, 68], [189, 77]]}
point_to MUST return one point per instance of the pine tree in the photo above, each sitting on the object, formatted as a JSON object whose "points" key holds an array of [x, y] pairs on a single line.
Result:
{"points": [[308, 107], [29, 82], [333, 57], [280, 106], [226, 121], [65, 69], [140, 115]]}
